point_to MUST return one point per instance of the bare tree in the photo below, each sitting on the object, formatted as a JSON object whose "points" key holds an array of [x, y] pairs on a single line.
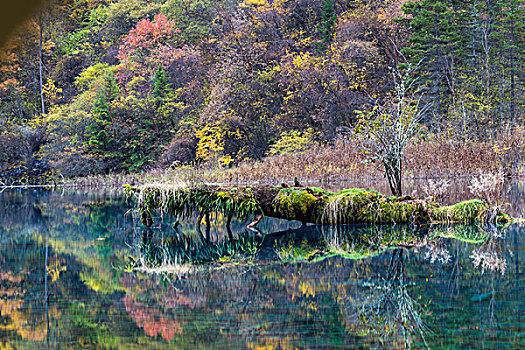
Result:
{"points": [[385, 131]]}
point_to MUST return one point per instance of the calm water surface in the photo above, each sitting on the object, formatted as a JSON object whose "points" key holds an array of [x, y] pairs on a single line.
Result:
{"points": [[66, 281]]}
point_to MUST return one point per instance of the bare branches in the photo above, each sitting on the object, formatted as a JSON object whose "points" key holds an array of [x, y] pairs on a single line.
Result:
{"points": [[385, 131]]}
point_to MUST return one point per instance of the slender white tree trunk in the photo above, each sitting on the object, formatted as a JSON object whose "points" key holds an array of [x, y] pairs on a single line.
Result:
{"points": [[41, 66]]}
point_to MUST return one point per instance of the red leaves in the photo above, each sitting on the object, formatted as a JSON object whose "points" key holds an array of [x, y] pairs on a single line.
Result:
{"points": [[148, 45], [147, 34]]}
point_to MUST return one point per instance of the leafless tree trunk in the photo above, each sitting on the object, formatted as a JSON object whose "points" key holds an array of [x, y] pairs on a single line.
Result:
{"points": [[40, 59]]}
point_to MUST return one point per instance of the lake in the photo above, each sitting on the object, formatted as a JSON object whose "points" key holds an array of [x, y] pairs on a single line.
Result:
{"points": [[77, 270]]}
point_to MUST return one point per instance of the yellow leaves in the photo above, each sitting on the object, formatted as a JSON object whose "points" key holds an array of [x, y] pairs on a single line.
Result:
{"points": [[307, 289], [36, 122], [211, 141], [212, 138], [48, 46], [499, 150], [253, 3], [292, 141], [267, 74], [303, 60], [136, 82], [92, 74], [225, 160], [260, 7], [51, 92], [268, 343], [6, 346], [105, 44], [54, 270]]}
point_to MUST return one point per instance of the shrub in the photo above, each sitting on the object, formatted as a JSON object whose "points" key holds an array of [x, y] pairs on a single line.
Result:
{"points": [[292, 141]]}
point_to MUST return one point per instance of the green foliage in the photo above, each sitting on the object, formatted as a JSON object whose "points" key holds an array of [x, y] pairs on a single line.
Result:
{"points": [[94, 75], [102, 132], [327, 26], [84, 38], [195, 17], [467, 48], [250, 78]]}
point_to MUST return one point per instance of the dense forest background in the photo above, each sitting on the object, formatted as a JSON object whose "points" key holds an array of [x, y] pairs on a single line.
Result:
{"points": [[93, 86]]}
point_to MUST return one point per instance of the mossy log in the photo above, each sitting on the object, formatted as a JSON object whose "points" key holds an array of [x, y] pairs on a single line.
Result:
{"points": [[307, 204]]}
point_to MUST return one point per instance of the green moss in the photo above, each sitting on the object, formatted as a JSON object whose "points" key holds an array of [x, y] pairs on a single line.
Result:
{"points": [[302, 204], [365, 206], [473, 210], [309, 204]]}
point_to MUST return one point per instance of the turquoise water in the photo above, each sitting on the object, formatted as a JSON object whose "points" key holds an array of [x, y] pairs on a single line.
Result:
{"points": [[75, 273]]}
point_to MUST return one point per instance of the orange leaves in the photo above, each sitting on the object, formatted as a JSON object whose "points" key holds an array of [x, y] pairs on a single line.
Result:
{"points": [[147, 31], [147, 46], [147, 35]]}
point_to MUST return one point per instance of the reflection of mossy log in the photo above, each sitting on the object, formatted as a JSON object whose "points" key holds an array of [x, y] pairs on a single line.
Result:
{"points": [[306, 244], [306, 204], [187, 250], [347, 241]]}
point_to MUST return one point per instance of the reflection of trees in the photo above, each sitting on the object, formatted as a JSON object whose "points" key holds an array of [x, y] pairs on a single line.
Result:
{"points": [[23, 299], [388, 311], [155, 312], [270, 305], [347, 288], [84, 225], [78, 317], [437, 251], [76, 233], [489, 256], [13, 305]]}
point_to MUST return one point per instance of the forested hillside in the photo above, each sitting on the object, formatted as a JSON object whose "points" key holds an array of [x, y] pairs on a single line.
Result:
{"points": [[94, 86]]}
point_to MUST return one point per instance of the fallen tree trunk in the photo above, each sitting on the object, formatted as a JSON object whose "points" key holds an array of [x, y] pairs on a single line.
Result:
{"points": [[306, 204]]}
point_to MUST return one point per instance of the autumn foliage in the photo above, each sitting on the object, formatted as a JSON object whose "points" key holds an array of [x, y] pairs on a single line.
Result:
{"points": [[132, 85]]}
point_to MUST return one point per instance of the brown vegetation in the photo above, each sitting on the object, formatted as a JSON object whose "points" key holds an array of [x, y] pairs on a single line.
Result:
{"points": [[430, 157]]}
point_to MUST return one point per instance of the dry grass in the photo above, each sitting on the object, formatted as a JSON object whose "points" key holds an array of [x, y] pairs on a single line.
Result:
{"points": [[432, 157], [186, 175], [488, 186]]}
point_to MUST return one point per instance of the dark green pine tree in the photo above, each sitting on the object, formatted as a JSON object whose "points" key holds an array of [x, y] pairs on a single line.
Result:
{"points": [[513, 31], [433, 42], [102, 133], [496, 53], [326, 28], [151, 130], [161, 86]]}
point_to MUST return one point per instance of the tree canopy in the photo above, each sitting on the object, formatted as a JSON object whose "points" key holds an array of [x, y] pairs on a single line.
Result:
{"points": [[93, 86]]}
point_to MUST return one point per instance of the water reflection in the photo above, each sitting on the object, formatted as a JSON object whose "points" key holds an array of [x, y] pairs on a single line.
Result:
{"points": [[389, 312], [352, 286]]}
